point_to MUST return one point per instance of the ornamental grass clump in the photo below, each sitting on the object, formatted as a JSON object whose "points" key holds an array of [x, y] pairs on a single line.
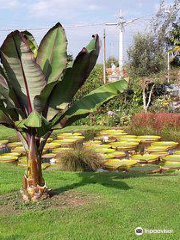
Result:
{"points": [[80, 160]]}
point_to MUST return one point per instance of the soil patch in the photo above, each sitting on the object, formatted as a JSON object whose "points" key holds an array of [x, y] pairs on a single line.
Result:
{"points": [[11, 203]]}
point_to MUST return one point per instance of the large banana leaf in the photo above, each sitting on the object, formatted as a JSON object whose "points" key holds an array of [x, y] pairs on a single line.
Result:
{"points": [[75, 76], [34, 121], [32, 42], [4, 92], [90, 102], [52, 56], [5, 120], [24, 75]]}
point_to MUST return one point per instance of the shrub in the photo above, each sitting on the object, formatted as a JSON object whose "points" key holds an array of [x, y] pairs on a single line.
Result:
{"points": [[156, 121], [80, 160]]}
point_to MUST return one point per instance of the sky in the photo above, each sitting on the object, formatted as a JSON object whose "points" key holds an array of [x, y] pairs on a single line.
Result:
{"points": [[73, 14]]}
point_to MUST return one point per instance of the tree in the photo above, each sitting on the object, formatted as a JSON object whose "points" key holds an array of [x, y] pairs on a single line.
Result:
{"points": [[145, 56], [146, 59], [37, 90]]}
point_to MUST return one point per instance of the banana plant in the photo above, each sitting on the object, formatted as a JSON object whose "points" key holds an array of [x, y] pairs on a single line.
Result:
{"points": [[36, 94]]}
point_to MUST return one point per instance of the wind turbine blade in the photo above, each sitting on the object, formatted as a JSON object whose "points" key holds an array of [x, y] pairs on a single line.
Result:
{"points": [[131, 21], [111, 24]]}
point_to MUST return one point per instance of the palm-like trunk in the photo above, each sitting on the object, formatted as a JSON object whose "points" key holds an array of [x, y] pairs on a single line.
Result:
{"points": [[34, 186]]}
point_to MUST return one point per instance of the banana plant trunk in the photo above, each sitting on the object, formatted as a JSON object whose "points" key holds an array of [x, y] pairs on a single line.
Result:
{"points": [[34, 186]]}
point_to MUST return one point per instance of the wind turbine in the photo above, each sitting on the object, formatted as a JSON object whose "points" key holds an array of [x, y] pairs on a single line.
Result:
{"points": [[121, 25]]}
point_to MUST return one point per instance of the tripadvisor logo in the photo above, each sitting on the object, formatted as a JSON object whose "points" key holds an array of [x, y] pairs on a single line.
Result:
{"points": [[139, 231]]}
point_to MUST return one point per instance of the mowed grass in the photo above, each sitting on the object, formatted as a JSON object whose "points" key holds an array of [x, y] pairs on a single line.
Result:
{"points": [[117, 204]]}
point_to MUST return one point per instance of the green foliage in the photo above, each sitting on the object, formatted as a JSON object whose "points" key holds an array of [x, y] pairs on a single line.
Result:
{"points": [[80, 160], [173, 41], [94, 81], [146, 57], [161, 104]]}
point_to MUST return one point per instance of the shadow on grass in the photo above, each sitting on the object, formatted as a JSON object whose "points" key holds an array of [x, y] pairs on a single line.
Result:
{"points": [[109, 180], [106, 179]]}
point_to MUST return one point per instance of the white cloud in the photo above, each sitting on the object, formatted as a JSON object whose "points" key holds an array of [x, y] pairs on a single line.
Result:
{"points": [[93, 7], [9, 4], [60, 8]]}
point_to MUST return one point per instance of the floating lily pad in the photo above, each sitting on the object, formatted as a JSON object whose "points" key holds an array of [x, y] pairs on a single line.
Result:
{"points": [[169, 144], [170, 165], [48, 155], [128, 137], [172, 158], [119, 154], [111, 131], [14, 144], [114, 164], [177, 152], [104, 150], [3, 142], [157, 148], [13, 154], [52, 145], [8, 159], [107, 155], [148, 138], [145, 168], [161, 154], [19, 150], [146, 158]]}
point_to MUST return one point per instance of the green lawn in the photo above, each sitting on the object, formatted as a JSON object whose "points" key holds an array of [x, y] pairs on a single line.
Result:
{"points": [[112, 206]]}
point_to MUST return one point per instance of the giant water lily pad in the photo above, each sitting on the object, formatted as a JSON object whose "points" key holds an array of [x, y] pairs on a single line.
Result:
{"points": [[170, 165], [104, 150], [145, 168], [114, 164], [124, 145], [148, 138], [129, 140], [2, 142], [172, 158], [127, 137], [48, 156], [8, 159], [12, 154], [169, 144], [14, 144], [177, 152], [161, 154], [52, 145], [157, 148], [111, 132], [107, 155], [20, 150], [146, 158], [119, 154]]}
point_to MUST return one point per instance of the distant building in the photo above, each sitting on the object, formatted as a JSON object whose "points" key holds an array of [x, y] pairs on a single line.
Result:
{"points": [[114, 74]]}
